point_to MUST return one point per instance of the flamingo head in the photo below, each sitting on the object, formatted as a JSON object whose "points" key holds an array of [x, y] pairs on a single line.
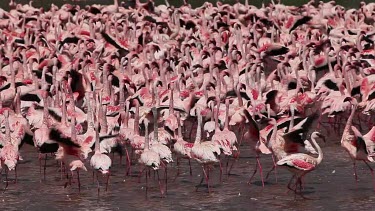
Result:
{"points": [[316, 135]]}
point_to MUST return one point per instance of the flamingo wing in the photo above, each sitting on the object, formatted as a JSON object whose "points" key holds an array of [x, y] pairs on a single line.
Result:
{"points": [[57, 136], [300, 22], [254, 128], [296, 161], [293, 140]]}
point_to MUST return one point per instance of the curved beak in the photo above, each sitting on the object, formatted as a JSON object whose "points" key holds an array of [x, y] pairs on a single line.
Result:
{"points": [[322, 137]]}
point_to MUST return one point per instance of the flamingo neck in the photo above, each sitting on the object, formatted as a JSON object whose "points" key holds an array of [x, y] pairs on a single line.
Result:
{"points": [[179, 126], [155, 114], [216, 114], [7, 128], [171, 105], [97, 143], [226, 125], [147, 139], [136, 119], [291, 123], [348, 124], [73, 129], [125, 119], [320, 152], [274, 135], [63, 111], [199, 128]]}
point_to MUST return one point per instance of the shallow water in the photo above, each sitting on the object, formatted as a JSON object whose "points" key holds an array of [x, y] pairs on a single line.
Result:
{"points": [[330, 186]]}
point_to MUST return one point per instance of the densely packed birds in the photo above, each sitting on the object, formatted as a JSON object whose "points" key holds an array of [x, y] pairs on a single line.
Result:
{"points": [[84, 82]]}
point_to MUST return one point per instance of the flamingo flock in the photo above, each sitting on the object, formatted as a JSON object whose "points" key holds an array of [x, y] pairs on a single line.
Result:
{"points": [[81, 83]]}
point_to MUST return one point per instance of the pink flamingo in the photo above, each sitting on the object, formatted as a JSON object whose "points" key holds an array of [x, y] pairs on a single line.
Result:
{"points": [[99, 161], [205, 153], [300, 163], [150, 158]]}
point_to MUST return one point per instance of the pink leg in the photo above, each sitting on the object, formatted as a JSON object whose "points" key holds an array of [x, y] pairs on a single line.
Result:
{"points": [[61, 170], [6, 178], [166, 178], [40, 166], [355, 171], [290, 182], [45, 167], [161, 189], [372, 173], [79, 181], [106, 186], [221, 169], [140, 174], [260, 171], [129, 163], [191, 172], [255, 171], [97, 181], [207, 178], [241, 132], [274, 168], [146, 184], [178, 168], [15, 174]]}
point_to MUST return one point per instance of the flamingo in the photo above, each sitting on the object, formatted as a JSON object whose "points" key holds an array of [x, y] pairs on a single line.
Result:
{"points": [[354, 144], [205, 153], [300, 163], [150, 158], [77, 165], [182, 147], [9, 154], [100, 161]]}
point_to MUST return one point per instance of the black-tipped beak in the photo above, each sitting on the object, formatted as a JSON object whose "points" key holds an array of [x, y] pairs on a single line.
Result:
{"points": [[322, 137]]}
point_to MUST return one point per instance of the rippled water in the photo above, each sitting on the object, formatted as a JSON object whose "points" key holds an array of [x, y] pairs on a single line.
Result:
{"points": [[330, 186]]}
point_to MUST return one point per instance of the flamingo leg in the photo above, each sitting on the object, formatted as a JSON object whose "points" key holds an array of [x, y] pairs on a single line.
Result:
{"points": [[221, 169], [227, 164], [190, 170], [207, 178], [274, 168], [255, 171], [129, 162], [40, 166], [372, 173], [45, 167], [61, 170], [299, 181], [15, 174], [97, 181], [231, 166], [166, 179], [146, 183], [178, 168], [355, 171], [290, 182], [79, 181], [6, 179], [106, 186], [242, 133], [161, 190], [140, 174], [260, 171], [257, 165], [196, 189]]}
